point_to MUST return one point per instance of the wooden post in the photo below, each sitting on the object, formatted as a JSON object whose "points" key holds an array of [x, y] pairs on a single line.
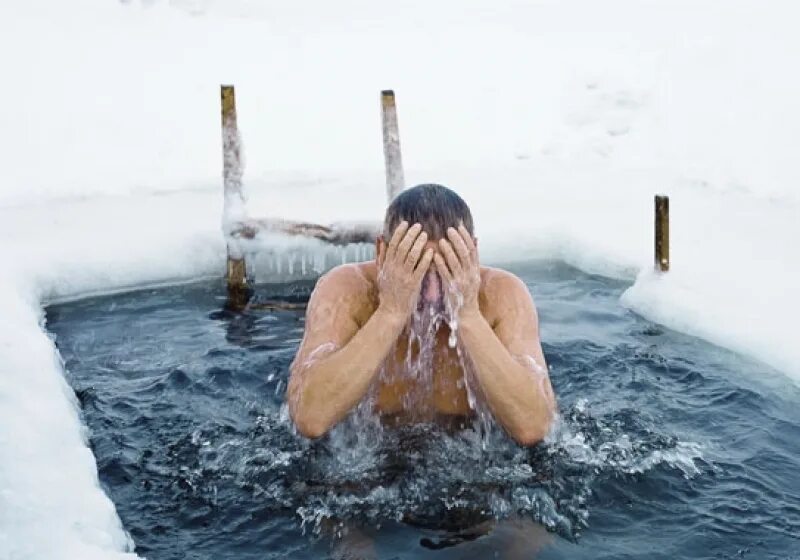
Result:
{"points": [[395, 182], [662, 233], [238, 290], [231, 163]]}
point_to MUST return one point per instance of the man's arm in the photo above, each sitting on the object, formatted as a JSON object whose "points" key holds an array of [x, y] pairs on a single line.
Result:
{"points": [[509, 364], [508, 360], [337, 361]]}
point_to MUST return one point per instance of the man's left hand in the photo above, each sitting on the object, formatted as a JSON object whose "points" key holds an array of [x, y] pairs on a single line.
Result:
{"points": [[459, 268]]}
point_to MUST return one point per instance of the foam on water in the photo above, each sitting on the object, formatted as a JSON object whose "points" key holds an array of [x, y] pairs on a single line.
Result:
{"points": [[353, 478]]}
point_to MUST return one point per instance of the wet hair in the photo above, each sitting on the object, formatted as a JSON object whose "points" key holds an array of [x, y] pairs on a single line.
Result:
{"points": [[434, 206]]}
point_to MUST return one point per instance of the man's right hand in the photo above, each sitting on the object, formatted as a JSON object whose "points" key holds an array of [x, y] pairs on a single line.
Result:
{"points": [[401, 267]]}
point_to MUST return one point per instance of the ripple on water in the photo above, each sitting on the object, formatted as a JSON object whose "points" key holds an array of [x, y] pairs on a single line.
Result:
{"points": [[666, 447]]}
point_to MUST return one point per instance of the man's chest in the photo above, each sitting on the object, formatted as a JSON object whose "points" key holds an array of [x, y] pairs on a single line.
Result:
{"points": [[423, 375]]}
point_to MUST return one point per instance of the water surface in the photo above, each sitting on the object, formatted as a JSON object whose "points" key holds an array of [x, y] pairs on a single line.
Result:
{"points": [[668, 447]]}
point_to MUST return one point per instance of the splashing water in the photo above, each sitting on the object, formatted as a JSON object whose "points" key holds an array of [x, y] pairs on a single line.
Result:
{"points": [[193, 439], [423, 354], [454, 301]]}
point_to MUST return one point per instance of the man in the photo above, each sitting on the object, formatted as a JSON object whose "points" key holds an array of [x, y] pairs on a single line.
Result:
{"points": [[357, 341]]}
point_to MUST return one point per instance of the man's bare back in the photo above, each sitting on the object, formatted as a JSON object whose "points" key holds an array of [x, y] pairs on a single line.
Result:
{"points": [[358, 342]]}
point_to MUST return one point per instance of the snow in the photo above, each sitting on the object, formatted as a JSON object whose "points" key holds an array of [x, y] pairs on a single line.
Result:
{"points": [[556, 120]]}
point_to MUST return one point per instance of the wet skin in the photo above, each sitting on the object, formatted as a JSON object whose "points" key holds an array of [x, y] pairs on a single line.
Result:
{"points": [[357, 339], [446, 394], [401, 396]]}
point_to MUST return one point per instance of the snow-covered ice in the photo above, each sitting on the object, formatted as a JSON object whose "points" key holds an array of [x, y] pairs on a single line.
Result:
{"points": [[556, 120]]}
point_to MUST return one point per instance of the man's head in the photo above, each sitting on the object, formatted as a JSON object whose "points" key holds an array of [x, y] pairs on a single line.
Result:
{"points": [[435, 208]]}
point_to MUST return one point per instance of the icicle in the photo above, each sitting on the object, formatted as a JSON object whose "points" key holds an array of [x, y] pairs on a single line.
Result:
{"points": [[250, 265], [317, 265]]}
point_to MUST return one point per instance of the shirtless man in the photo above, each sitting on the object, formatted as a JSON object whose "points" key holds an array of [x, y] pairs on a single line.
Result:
{"points": [[356, 335]]}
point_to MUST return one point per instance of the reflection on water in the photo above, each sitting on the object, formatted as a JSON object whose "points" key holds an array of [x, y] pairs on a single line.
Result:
{"points": [[666, 447]]}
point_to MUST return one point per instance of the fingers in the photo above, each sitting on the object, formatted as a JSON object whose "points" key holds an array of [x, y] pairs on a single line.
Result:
{"points": [[442, 269], [460, 246], [473, 249], [416, 251], [405, 245], [398, 234], [422, 266], [450, 257], [381, 252]]}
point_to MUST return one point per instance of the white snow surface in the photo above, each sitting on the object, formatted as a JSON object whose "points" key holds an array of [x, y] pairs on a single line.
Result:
{"points": [[556, 120]]}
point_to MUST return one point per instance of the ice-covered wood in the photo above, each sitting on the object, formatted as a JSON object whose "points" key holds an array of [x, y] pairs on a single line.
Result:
{"points": [[236, 273], [395, 181], [335, 234]]}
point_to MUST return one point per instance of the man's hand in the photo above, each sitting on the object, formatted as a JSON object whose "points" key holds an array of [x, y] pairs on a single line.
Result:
{"points": [[460, 269], [401, 267]]}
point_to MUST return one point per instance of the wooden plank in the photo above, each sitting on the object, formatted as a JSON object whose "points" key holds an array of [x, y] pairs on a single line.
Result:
{"points": [[662, 233], [395, 181], [339, 234]]}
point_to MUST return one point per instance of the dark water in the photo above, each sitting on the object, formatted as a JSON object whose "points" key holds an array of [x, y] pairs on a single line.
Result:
{"points": [[668, 447]]}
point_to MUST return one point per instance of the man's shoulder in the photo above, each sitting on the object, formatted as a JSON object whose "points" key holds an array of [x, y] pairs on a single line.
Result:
{"points": [[504, 294], [346, 280], [498, 282]]}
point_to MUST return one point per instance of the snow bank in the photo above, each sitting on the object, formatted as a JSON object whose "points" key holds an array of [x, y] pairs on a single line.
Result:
{"points": [[50, 502], [556, 120]]}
